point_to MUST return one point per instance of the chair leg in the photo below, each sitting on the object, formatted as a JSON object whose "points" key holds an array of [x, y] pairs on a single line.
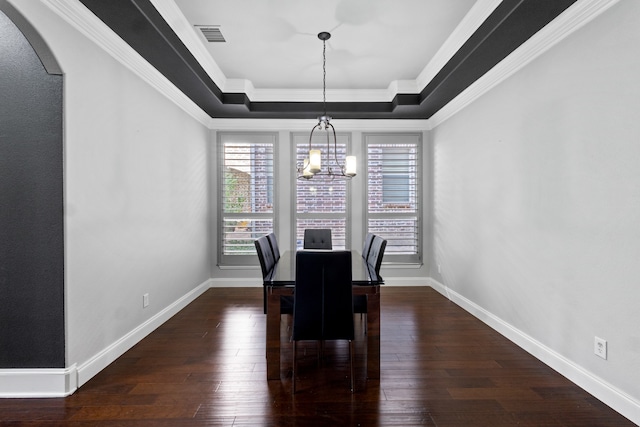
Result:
{"points": [[351, 365], [294, 370]]}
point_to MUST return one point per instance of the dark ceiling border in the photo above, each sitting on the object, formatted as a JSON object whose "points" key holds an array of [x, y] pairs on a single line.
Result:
{"points": [[512, 23]]}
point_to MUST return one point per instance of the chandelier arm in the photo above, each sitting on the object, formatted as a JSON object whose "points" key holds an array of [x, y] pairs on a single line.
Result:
{"points": [[335, 147], [328, 148]]}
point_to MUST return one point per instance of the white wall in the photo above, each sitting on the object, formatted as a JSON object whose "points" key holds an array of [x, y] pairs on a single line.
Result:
{"points": [[136, 195], [537, 199]]}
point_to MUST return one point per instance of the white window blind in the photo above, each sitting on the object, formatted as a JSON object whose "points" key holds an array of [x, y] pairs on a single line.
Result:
{"points": [[394, 208], [246, 195], [321, 202]]}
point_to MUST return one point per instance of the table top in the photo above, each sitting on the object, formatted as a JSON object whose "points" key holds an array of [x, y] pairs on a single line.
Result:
{"points": [[284, 272]]}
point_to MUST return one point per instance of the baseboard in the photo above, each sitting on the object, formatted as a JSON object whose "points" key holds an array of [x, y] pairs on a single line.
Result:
{"points": [[48, 382], [406, 281], [42, 382], [256, 283], [618, 400], [220, 282], [101, 360]]}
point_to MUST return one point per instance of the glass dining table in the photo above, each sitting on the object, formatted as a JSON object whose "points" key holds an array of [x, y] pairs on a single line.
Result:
{"points": [[281, 282]]}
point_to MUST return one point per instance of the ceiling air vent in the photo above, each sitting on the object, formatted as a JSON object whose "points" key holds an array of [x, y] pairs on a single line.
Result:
{"points": [[212, 33]]}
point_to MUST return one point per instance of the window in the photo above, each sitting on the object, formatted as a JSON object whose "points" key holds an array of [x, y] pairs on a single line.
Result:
{"points": [[394, 209], [321, 203], [246, 194], [396, 180]]}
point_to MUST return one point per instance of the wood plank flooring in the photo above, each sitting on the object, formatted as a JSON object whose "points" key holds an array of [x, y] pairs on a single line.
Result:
{"points": [[206, 366]]}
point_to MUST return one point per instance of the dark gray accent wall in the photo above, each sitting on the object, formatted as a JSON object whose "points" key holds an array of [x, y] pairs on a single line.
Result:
{"points": [[32, 329]]}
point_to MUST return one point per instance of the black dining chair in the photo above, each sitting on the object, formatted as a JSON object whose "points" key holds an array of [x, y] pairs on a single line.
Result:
{"points": [[374, 261], [323, 306], [268, 260], [317, 238], [265, 255], [274, 245], [367, 245], [376, 253]]}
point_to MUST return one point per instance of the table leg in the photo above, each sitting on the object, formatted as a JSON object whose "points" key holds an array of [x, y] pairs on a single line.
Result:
{"points": [[373, 336], [273, 336]]}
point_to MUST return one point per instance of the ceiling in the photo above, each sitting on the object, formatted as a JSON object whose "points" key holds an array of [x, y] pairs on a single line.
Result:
{"points": [[385, 60], [274, 43]]}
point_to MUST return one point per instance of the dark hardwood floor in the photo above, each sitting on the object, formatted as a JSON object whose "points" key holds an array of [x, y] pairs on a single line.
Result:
{"points": [[440, 366]]}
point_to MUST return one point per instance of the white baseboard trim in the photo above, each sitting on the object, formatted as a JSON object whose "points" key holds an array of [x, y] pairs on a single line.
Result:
{"points": [[618, 400], [220, 282], [256, 283], [88, 369], [49, 382], [406, 281], [38, 382]]}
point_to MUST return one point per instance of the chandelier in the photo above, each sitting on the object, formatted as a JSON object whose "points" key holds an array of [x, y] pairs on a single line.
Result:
{"points": [[312, 165]]}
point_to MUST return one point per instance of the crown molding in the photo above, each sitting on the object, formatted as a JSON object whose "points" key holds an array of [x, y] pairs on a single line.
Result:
{"points": [[469, 24], [575, 17], [83, 20], [306, 125]]}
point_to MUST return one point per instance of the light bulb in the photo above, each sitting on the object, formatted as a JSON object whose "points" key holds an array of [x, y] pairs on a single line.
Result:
{"points": [[314, 161], [350, 166]]}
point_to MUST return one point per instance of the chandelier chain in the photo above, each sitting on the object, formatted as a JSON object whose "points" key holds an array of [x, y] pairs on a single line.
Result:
{"points": [[324, 76]]}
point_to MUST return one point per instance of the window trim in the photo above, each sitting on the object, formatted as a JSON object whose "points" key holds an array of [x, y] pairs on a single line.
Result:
{"points": [[369, 138], [253, 138]]}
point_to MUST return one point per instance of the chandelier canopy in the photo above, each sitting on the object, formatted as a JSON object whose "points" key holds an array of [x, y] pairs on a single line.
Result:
{"points": [[312, 165]]}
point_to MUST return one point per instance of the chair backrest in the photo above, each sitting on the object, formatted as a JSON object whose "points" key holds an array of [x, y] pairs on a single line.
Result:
{"points": [[265, 255], [367, 245], [317, 238], [376, 253], [274, 246], [323, 302]]}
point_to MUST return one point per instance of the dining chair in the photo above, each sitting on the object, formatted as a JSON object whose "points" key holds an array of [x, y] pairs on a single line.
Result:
{"points": [[323, 306], [274, 245], [268, 260], [367, 245], [360, 301], [374, 261], [265, 255], [376, 253], [317, 238]]}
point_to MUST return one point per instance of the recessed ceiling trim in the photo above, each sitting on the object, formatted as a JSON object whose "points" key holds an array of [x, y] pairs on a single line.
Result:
{"points": [[174, 17], [578, 15], [218, 104], [303, 125], [83, 20], [478, 13], [180, 25]]}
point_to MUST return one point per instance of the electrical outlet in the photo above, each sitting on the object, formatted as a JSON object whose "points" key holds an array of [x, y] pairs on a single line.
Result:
{"points": [[600, 347], [439, 269], [145, 300]]}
